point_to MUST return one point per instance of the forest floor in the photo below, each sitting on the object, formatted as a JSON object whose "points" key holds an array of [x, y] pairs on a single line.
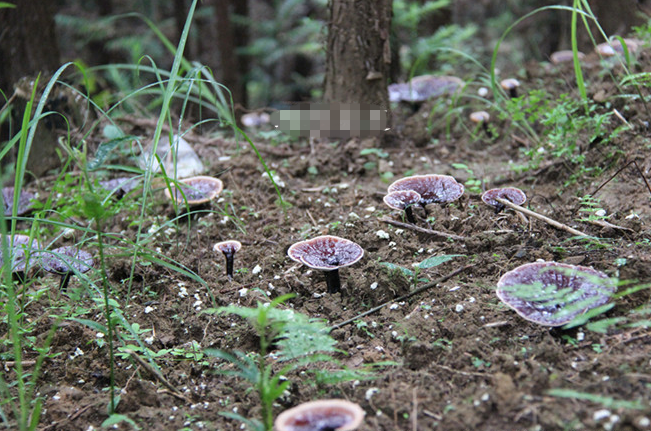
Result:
{"points": [[457, 357]]}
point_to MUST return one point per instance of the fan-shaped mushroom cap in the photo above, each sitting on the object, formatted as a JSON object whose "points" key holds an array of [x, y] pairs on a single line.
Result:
{"points": [[553, 294], [609, 49], [231, 246], [431, 188], [338, 415], [66, 259], [121, 185], [480, 117], [422, 88], [197, 190], [564, 56], [24, 201], [18, 246], [401, 199], [327, 252], [511, 194]]}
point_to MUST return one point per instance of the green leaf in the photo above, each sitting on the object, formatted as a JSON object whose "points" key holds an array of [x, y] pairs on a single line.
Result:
{"points": [[608, 402], [91, 324], [392, 267], [105, 149], [115, 419], [4, 5], [433, 261]]}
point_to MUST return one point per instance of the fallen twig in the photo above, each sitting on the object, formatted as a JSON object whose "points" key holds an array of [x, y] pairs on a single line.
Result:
{"points": [[402, 298], [423, 230], [604, 223], [157, 374], [547, 220]]}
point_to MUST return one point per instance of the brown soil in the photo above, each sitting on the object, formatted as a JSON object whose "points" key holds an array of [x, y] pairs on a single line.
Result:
{"points": [[463, 360]]}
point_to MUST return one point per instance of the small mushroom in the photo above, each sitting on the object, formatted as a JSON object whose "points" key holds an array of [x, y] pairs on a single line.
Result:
{"points": [[228, 248], [482, 118], [25, 203], [440, 189], [512, 194], [553, 294], [564, 56], [511, 86], [321, 415], [120, 186], [327, 253], [21, 251], [65, 261], [425, 87], [402, 200], [614, 47], [195, 190]]}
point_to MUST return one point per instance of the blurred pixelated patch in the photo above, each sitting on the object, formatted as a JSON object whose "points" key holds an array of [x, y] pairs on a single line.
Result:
{"points": [[331, 120]]}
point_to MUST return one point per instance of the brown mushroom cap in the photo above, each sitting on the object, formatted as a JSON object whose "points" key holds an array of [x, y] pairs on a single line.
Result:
{"points": [[553, 294], [228, 247], [197, 190], [432, 188], [422, 88], [327, 252], [18, 246], [66, 259], [24, 201], [564, 56], [480, 117], [338, 415], [510, 84], [401, 199], [511, 194], [609, 49]]}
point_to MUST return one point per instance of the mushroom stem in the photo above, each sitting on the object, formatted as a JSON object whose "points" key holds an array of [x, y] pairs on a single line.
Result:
{"points": [[332, 281], [230, 257], [65, 279], [410, 215]]}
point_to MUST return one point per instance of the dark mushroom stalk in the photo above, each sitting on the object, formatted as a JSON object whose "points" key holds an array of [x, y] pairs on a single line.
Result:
{"points": [[433, 189], [65, 261], [228, 249], [403, 200], [482, 118], [327, 253], [511, 85]]}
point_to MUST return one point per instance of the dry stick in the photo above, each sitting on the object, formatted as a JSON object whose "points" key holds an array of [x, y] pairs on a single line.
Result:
{"points": [[423, 230], [402, 298], [156, 374], [541, 217]]}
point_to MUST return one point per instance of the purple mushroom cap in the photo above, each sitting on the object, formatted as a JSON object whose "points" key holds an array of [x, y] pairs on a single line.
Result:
{"points": [[553, 294], [431, 188], [401, 199], [326, 252], [339, 415], [422, 88], [197, 190], [67, 259], [18, 246], [121, 185], [228, 247], [24, 201], [511, 194]]}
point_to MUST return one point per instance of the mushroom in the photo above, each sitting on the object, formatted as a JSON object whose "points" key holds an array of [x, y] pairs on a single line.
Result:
{"points": [[195, 190], [512, 194], [553, 294], [511, 85], [228, 248], [327, 253], [482, 118], [564, 56], [402, 200], [425, 87], [21, 249], [65, 261], [439, 189], [120, 186], [25, 204], [614, 47], [321, 415]]}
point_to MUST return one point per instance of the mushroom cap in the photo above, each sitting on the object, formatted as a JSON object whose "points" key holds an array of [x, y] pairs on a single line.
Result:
{"points": [[553, 294], [339, 415], [511, 194], [480, 116], [66, 259], [432, 188], [228, 247], [401, 199], [24, 201], [564, 56], [609, 49], [120, 184], [197, 190], [327, 252], [422, 88], [18, 245], [509, 83]]}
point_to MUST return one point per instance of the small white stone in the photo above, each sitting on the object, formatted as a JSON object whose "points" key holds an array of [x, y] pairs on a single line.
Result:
{"points": [[485, 397], [224, 158], [471, 299], [482, 91], [369, 209], [393, 307], [580, 336], [243, 291], [600, 213], [271, 286], [382, 234], [600, 415], [148, 309], [150, 340], [373, 285], [632, 216], [453, 288], [458, 308], [370, 392], [256, 270]]}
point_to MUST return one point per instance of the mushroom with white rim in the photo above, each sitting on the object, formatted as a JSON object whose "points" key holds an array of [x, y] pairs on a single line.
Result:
{"points": [[553, 294], [510, 85], [65, 261], [327, 253], [22, 250], [195, 190], [25, 203], [228, 249], [321, 415], [440, 189], [481, 118], [402, 200], [511, 194]]}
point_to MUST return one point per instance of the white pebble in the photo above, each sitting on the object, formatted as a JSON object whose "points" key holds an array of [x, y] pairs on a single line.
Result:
{"points": [[256, 270], [600, 415], [373, 285], [458, 308]]}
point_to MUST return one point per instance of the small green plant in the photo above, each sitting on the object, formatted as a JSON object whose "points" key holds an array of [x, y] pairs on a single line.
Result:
{"points": [[414, 275], [472, 184]]}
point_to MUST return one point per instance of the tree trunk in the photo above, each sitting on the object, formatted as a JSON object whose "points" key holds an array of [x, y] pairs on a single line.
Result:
{"points": [[230, 37], [358, 52]]}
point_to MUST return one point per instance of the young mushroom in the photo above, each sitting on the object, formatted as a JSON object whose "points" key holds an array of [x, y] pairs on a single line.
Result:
{"points": [[614, 47], [327, 253], [228, 248], [553, 294], [21, 251], [195, 190], [425, 87], [510, 85], [440, 189], [565, 56], [402, 200], [481, 118], [120, 186], [511, 194], [65, 261], [321, 415]]}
